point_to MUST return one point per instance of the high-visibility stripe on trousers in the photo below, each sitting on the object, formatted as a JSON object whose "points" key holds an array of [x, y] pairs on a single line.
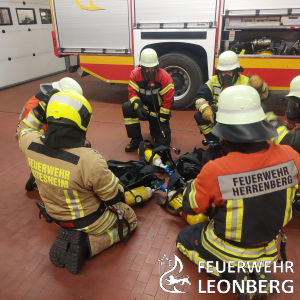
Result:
{"points": [[229, 253]]}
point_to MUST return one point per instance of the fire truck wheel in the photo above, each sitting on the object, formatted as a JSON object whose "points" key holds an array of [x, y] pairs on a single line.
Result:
{"points": [[187, 77]]}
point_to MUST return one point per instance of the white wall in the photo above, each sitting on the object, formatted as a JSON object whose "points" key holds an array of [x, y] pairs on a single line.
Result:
{"points": [[19, 44]]}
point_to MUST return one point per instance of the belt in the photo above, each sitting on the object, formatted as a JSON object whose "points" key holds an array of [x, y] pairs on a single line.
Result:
{"points": [[82, 222]]}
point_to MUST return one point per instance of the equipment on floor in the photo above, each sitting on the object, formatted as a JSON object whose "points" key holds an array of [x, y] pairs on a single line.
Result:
{"points": [[175, 200], [174, 203], [155, 161], [137, 195]]}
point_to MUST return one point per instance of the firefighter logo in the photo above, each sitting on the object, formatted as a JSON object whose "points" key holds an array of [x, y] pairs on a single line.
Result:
{"points": [[172, 280], [92, 6]]}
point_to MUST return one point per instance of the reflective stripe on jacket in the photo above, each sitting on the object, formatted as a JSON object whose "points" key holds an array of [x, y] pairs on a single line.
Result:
{"points": [[252, 193]]}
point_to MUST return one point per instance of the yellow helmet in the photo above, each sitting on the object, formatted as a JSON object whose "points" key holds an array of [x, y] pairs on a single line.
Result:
{"points": [[70, 108]]}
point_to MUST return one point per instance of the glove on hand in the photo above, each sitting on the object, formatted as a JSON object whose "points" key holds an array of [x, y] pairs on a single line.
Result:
{"points": [[140, 110], [142, 113], [208, 114], [256, 82]]}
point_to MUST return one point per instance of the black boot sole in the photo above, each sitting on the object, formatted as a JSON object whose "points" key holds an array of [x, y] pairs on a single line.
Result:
{"points": [[68, 250]]}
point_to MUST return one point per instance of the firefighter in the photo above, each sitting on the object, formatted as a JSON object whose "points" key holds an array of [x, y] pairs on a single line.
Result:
{"points": [[151, 91], [74, 182], [286, 134], [47, 90], [251, 189], [227, 74]]}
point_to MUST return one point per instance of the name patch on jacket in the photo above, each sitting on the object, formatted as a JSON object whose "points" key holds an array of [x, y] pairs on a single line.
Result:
{"points": [[258, 182]]}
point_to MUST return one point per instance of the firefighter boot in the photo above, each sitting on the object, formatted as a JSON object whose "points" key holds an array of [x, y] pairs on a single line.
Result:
{"points": [[239, 277], [134, 144], [69, 249], [30, 184], [266, 277]]}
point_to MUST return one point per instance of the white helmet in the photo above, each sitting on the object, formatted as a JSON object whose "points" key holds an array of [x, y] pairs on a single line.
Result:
{"points": [[295, 87], [65, 83], [228, 61], [149, 58], [240, 117]]}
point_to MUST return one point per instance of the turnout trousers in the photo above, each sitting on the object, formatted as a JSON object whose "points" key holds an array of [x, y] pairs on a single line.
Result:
{"points": [[102, 237], [133, 126]]}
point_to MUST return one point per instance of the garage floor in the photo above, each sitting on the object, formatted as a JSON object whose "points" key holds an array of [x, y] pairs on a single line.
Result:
{"points": [[124, 271]]}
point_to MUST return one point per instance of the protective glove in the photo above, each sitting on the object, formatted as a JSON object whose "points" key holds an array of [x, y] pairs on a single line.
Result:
{"points": [[140, 110], [208, 114], [257, 83]]}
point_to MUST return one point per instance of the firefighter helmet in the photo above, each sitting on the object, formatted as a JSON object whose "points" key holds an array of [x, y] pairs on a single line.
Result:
{"points": [[228, 61], [293, 109], [295, 87], [148, 58], [65, 83], [69, 108], [240, 117]]}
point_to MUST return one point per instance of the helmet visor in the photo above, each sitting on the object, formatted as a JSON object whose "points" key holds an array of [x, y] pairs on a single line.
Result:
{"points": [[293, 109], [45, 87]]}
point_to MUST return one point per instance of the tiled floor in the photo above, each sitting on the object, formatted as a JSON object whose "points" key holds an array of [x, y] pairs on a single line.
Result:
{"points": [[124, 271]]}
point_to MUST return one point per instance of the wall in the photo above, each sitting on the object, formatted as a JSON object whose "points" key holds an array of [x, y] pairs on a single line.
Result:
{"points": [[26, 51]]}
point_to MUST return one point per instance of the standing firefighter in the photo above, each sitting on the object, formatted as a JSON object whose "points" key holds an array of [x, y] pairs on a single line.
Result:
{"points": [[151, 91], [47, 90], [251, 188], [74, 181], [227, 74]]}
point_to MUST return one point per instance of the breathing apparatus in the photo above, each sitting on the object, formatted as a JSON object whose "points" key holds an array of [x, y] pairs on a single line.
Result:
{"points": [[137, 195], [176, 202], [156, 161]]}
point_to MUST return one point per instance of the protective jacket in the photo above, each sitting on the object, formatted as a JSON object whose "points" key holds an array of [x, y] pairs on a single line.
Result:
{"points": [[163, 91], [73, 182], [285, 136], [253, 195], [30, 104], [211, 90]]}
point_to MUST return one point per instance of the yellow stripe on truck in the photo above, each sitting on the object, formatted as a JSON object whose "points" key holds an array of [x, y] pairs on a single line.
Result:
{"points": [[267, 63], [106, 60]]}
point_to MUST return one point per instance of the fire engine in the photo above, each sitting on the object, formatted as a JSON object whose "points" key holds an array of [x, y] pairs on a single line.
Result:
{"points": [[107, 37]]}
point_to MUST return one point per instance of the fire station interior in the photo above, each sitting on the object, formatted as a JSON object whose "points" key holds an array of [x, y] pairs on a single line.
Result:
{"points": [[130, 270]]}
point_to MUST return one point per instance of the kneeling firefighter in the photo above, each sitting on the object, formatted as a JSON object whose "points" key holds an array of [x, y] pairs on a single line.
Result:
{"points": [[288, 133], [251, 188], [45, 93], [227, 74], [79, 192], [151, 91]]}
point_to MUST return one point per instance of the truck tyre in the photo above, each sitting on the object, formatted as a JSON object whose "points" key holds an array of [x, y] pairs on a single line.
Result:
{"points": [[187, 77]]}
